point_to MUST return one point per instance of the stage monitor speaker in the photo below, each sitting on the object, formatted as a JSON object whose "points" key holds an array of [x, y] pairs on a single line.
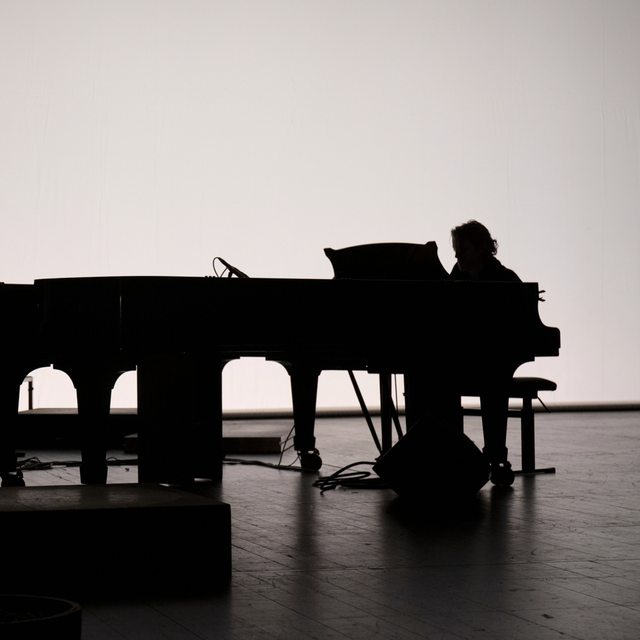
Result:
{"points": [[435, 461]]}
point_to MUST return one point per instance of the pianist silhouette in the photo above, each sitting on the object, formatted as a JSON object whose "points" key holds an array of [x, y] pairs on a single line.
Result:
{"points": [[437, 397], [475, 251]]}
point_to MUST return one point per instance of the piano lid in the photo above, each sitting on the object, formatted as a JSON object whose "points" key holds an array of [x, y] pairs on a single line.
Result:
{"points": [[387, 261]]}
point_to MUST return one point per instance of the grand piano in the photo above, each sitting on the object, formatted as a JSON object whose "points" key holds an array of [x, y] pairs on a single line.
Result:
{"points": [[179, 332]]}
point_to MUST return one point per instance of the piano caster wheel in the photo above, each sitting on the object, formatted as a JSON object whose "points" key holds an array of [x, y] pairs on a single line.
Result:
{"points": [[310, 460], [502, 474], [13, 480]]}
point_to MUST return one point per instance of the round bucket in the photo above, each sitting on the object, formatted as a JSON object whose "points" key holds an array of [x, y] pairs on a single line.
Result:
{"points": [[26, 617]]}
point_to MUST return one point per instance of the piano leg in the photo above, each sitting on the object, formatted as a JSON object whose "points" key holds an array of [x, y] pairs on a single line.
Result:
{"points": [[9, 400], [93, 390], [180, 420], [165, 421], [94, 405], [304, 392], [208, 443]]}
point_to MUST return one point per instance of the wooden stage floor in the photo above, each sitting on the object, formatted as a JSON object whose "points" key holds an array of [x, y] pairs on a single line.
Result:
{"points": [[553, 557]]}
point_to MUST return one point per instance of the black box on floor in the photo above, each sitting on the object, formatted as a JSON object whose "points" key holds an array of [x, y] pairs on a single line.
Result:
{"points": [[83, 540], [434, 461]]}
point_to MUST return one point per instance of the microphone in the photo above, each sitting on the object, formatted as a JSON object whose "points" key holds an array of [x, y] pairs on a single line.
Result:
{"points": [[232, 270]]}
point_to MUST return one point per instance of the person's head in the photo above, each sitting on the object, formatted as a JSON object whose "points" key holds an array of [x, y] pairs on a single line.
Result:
{"points": [[473, 245]]}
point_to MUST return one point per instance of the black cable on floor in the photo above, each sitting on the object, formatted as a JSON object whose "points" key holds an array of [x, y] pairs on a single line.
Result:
{"points": [[352, 479], [259, 463]]}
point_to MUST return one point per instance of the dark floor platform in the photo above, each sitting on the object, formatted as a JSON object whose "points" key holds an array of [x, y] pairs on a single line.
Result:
{"points": [[74, 540]]}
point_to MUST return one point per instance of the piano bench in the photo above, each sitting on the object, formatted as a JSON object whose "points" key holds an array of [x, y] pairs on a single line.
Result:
{"points": [[526, 389]]}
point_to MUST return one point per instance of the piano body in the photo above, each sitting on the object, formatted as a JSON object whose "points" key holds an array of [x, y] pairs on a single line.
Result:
{"points": [[179, 332]]}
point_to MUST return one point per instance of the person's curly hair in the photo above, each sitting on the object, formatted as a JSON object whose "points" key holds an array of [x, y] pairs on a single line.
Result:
{"points": [[477, 234]]}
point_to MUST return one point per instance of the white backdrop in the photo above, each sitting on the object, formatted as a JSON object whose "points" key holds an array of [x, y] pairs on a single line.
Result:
{"points": [[147, 136]]}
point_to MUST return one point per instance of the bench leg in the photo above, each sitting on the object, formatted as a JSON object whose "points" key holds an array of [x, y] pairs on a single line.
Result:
{"points": [[527, 431]]}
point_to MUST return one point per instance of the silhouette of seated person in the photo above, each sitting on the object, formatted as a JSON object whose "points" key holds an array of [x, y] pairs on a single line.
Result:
{"points": [[475, 252], [476, 260]]}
